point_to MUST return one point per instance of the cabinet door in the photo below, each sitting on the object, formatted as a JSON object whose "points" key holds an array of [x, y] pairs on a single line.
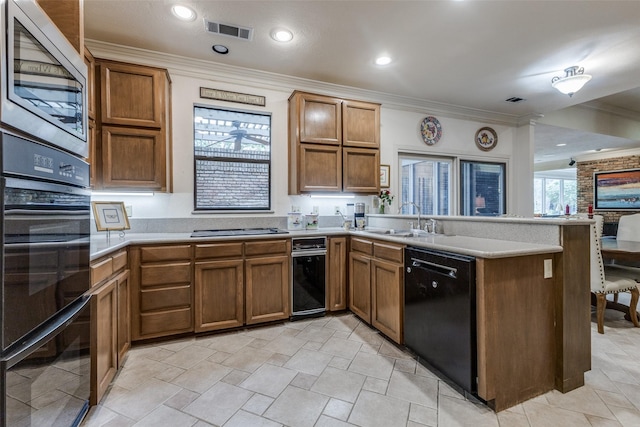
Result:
{"points": [[319, 118], [360, 286], [124, 315], [104, 330], [361, 170], [360, 124], [133, 158], [387, 298], [267, 289], [219, 295], [320, 168], [337, 278], [132, 95]]}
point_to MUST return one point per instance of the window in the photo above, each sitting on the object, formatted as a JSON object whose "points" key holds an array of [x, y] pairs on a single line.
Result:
{"points": [[427, 183], [551, 194], [232, 151], [482, 188]]}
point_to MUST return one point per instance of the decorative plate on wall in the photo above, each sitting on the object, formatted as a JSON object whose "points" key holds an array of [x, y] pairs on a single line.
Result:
{"points": [[431, 130], [486, 138]]}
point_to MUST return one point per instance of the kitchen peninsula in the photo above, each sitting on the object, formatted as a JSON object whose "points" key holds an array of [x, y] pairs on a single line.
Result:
{"points": [[533, 310]]}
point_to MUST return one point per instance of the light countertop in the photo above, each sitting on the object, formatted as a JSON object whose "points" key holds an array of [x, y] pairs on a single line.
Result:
{"points": [[474, 246]]}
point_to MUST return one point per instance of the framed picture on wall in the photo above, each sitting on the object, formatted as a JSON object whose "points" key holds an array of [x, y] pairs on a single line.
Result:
{"points": [[110, 216], [617, 190], [384, 176]]}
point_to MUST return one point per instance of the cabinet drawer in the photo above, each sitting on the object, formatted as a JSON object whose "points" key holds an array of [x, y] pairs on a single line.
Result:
{"points": [[391, 253], [219, 250], [166, 322], [163, 298], [267, 247], [101, 270], [119, 260], [361, 245], [165, 253], [152, 275]]}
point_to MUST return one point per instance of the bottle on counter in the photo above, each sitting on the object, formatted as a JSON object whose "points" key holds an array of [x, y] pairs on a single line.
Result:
{"points": [[566, 210], [590, 211]]}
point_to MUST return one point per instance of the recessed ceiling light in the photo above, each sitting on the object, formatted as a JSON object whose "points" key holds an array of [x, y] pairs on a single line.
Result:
{"points": [[221, 49], [282, 35], [383, 60], [183, 12], [560, 145]]}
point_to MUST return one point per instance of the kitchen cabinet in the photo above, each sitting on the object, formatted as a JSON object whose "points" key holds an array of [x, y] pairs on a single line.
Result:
{"points": [[376, 284], [239, 283], [333, 144], [161, 291], [68, 16], [219, 286], [110, 320], [133, 127], [337, 254], [268, 280]]}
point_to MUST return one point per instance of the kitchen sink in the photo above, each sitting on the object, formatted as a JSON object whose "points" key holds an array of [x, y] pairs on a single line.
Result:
{"points": [[237, 232], [392, 232]]}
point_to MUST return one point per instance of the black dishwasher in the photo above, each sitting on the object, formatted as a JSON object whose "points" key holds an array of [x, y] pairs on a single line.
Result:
{"points": [[440, 312]]}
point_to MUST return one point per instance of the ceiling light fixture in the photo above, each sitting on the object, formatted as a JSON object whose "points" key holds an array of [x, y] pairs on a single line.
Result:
{"points": [[572, 82], [221, 49], [183, 12], [383, 60], [282, 35]]}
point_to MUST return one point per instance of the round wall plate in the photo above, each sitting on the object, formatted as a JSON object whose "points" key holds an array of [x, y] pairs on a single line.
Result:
{"points": [[430, 130], [486, 138]]}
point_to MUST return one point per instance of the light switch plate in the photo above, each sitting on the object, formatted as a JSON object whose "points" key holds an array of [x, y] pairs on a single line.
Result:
{"points": [[548, 268], [129, 210]]}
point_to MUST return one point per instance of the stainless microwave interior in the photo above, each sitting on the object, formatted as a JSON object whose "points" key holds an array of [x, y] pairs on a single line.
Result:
{"points": [[44, 79]]}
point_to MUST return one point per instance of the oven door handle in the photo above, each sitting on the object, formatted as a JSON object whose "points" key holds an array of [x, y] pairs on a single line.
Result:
{"points": [[25, 184], [35, 339], [308, 253]]}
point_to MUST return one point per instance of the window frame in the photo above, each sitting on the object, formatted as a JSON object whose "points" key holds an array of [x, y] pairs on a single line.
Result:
{"points": [[461, 194], [196, 158], [451, 160]]}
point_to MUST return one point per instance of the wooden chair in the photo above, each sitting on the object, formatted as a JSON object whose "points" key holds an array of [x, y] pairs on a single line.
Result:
{"points": [[610, 279]]}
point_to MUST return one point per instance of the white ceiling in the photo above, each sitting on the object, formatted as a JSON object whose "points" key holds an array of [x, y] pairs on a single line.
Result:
{"points": [[471, 53]]}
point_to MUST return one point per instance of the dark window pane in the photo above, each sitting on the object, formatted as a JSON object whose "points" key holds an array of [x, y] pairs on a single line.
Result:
{"points": [[482, 189]]}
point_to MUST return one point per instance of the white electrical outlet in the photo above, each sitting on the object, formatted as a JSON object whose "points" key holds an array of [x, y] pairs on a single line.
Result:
{"points": [[336, 210], [548, 268], [129, 210]]}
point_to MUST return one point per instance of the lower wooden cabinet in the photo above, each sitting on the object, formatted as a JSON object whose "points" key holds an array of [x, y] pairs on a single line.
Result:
{"points": [[239, 283], [110, 320], [376, 285], [337, 253], [219, 294], [267, 289], [161, 291]]}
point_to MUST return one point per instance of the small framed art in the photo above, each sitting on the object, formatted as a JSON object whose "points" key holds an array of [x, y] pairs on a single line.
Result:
{"points": [[110, 216], [384, 176]]}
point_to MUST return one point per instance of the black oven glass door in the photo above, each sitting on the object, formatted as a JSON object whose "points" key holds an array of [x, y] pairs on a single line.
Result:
{"points": [[308, 282], [45, 260], [45, 80], [46, 381]]}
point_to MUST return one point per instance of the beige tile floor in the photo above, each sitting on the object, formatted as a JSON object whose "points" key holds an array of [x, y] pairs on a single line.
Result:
{"points": [[337, 371]]}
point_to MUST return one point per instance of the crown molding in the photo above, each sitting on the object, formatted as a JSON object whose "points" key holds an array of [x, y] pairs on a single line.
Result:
{"points": [[202, 69]]}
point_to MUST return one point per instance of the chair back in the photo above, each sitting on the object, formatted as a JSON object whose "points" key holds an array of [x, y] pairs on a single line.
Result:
{"points": [[597, 265], [629, 228]]}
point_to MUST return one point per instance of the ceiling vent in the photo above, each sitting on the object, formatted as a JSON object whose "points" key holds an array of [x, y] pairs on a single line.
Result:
{"points": [[228, 30], [515, 99]]}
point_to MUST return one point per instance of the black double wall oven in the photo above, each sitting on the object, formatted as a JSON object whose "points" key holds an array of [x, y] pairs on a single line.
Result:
{"points": [[45, 361]]}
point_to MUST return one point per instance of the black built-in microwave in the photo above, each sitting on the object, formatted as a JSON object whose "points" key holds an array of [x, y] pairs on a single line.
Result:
{"points": [[44, 79]]}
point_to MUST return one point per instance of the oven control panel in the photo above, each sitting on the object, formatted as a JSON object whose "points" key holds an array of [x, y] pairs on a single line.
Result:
{"points": [[25, 158]]}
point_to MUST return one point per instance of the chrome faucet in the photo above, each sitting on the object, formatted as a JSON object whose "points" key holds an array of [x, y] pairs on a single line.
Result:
{"points": [[417, 208]]}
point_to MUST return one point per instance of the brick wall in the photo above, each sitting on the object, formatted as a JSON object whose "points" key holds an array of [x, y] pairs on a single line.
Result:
{"points": [[584, 175]]}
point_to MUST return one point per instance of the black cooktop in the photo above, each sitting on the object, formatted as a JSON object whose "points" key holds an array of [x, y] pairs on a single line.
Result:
{"points": [[237, 232]]}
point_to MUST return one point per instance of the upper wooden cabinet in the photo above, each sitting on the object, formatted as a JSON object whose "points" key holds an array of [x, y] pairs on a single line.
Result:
{"points": [[333, 145], [132, 95], [132, 146]]}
